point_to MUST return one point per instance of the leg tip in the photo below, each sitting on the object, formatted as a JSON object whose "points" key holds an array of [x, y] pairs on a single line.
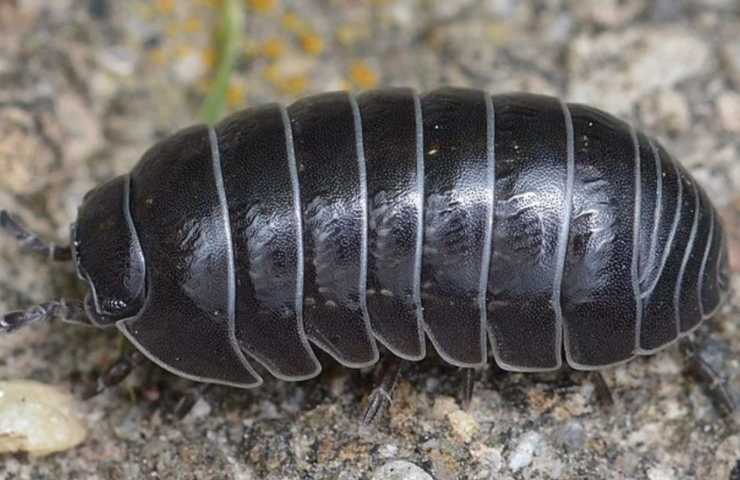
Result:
{"points": [[377, 404], [7, 222]]}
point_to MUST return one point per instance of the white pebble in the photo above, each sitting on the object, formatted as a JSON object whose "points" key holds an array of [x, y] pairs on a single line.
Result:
{"points": [[189, 68], [400, 470], [661, 473], [387, 451], [38, 419], [729, 111], [201, 409], [524, 452]]}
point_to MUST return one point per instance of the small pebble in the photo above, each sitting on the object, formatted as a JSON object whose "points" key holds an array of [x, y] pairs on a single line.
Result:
{"points": [[489, 456], [463, 425], [728, 105], [732, 58], [572, 436], [189, 68], [38, 419], [400, 470], [200, 410], [388, 450], [661, 473], [525, 451], [726, 463], [668, 110]]}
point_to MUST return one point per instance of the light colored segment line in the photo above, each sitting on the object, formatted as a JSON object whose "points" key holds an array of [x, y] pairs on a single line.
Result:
{"points": [[362, 174], [222, 201], [298, 217], [718, 230], [564, 236], [418, 253], [635, 273], [488, 234], [684, 263], [666, 252], [723, 297], [704, 264], [136, 243], [298, 214], [657, 217], [672, 235], [231, 260]]}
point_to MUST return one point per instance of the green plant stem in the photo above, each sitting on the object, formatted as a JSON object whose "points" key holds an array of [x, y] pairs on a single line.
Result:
{"points": [[227, 41]]}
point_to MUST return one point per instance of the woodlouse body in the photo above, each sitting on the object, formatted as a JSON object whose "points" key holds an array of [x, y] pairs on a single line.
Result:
{"points": [[540, 226]]}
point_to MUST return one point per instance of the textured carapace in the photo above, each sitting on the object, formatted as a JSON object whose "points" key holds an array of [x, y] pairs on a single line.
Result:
{"points": [[516, 221]]}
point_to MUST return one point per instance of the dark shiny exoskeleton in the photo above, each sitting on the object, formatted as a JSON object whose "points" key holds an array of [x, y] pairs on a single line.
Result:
{"points": [[516, 221]]}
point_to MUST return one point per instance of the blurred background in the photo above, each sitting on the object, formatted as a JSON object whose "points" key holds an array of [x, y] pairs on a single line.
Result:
{"points": [[87, 85]]}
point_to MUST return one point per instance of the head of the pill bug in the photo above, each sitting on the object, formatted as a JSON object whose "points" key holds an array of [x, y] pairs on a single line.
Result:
{"points": [[107, 254]]}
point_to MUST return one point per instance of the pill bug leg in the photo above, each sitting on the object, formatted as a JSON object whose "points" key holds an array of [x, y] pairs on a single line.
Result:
{"points": [[602, 391], [67, 311], [30, 242], [469, 377], [380, 398], [189, 399], [118, 371], [700, 370]]}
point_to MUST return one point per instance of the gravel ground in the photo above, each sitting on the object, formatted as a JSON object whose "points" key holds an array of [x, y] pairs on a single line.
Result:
{"points": [[86, 86]]}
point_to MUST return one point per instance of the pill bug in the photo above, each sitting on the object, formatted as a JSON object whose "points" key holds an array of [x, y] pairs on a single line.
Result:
{"points": [[550, 231]]}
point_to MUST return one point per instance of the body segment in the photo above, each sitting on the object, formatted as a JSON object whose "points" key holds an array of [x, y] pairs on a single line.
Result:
{"points": [[331, 168], [261, 186], [458, 204], [395, 187], [600, 280], [534, 173], [187, 322]]}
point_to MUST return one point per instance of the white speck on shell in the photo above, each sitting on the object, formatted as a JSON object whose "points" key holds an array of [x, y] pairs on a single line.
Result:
{"points": [[38, 419]]}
